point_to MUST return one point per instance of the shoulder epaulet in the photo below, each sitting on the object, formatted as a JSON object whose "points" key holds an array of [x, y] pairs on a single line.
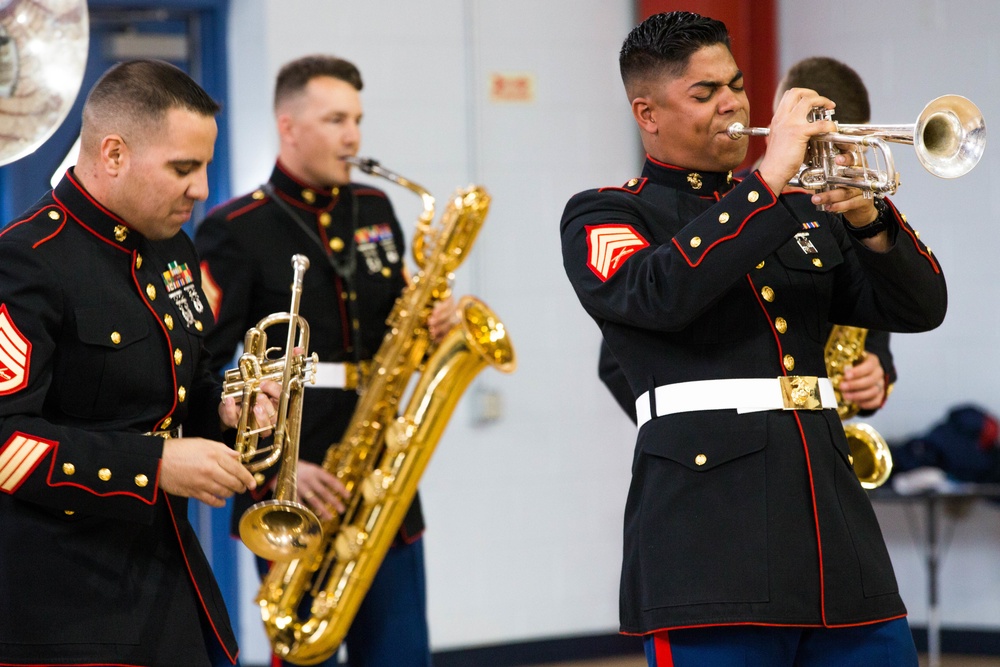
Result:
{"points": [[234, 207], [44, 224], [633, 186]]}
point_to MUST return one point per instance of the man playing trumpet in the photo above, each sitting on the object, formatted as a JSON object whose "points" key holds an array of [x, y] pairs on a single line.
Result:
{"points": [[748, 538]]}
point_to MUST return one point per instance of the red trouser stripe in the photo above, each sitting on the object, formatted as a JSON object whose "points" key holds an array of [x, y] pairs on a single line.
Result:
{"points": [[661, 649]]}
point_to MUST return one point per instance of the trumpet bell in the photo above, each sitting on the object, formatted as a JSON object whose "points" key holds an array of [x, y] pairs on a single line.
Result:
{"points": [[949, 136], [872, 460], [280, 530]]}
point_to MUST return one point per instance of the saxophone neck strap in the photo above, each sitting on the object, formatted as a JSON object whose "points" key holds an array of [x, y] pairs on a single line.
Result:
{"points": [[344, 262]]}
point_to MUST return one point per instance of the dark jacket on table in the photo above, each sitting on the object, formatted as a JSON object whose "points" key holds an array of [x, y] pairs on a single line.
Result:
{"points": [[755, 517], [101, 334], [246, 246]]}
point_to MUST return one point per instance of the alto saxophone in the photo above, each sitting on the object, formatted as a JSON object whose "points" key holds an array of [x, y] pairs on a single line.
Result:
{"points": [[870, 454], [382, 456]]}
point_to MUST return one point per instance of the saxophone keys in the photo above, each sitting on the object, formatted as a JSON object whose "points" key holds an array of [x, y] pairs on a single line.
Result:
{"points": [[373, 488], [349, 542]]}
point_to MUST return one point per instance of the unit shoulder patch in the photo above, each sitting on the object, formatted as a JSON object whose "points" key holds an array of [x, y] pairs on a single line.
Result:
{"points": [[608, 246], [15, 355]]}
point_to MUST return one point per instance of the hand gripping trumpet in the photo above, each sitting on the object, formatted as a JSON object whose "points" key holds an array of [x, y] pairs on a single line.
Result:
{"points": [[279, 529], [307, 605], [949, 138]]}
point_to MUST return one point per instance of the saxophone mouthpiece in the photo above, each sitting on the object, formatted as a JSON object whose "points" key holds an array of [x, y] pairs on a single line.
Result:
{"points": [[365, 164]]}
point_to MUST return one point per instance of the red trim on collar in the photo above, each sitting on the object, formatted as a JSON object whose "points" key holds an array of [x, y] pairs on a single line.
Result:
{"points": [[83, 191], [92, 231], [326, 192], [664, 164]]}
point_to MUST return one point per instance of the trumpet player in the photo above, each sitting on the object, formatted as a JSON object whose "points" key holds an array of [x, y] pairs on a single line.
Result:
{"points": [[866, 384], [356, 247], [748, 540], [102, 319]]}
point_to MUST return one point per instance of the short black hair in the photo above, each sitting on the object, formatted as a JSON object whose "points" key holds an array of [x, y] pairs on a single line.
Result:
{"points": [[293, 76], [135, 94], [663, 43], [836, 80]]}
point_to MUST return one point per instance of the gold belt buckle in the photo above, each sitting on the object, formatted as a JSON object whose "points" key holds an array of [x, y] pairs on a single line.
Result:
{"points": [[800, 392]]}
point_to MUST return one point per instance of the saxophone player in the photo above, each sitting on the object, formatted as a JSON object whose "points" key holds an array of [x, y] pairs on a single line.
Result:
{"points": [[747, 539], [356, 247]]}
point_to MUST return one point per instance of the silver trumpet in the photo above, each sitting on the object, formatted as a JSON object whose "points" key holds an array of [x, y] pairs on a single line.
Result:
{"points": [[949, 138]]}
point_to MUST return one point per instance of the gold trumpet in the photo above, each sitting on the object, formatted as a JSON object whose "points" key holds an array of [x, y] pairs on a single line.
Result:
{"points": [[280, 529], [949, 138]]}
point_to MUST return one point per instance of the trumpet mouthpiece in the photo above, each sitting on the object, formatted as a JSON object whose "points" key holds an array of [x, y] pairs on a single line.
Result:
{"points": [[737, 130]]}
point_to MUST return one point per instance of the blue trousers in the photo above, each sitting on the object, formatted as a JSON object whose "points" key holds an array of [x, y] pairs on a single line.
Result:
{"points": [[887, 644], [390, 629]]}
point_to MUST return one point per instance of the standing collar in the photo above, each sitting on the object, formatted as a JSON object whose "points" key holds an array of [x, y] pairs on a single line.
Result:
{"points": [[700, 183], [301, 194], [92, 215]]}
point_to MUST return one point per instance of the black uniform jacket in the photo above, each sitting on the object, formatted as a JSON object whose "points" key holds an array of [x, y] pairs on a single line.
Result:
{"points": [[755, 517], [246, 246], [610, 371], [101, 341]]}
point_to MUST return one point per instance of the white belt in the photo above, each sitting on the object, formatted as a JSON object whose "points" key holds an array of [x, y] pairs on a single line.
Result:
{"points": [[330, 375], [795, 392]]}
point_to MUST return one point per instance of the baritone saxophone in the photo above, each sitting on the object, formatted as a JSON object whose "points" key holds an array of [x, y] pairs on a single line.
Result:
{"points": [[871, 458], [308, 604]]}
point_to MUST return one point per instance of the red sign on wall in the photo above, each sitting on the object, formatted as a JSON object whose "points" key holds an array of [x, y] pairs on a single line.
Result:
{"points": [[512, 87]]}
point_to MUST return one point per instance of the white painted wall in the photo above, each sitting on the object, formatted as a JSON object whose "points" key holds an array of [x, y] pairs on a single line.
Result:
{"points": [[524, 514]]}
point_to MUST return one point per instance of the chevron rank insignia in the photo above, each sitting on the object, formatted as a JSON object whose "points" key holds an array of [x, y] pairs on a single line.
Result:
{"points": [[15, 352], [608, 246]]}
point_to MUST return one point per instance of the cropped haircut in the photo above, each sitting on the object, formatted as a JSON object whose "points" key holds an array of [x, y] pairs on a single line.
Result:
{"points": [[663, 44], [293, 76], [832, 78], [135, 95]]}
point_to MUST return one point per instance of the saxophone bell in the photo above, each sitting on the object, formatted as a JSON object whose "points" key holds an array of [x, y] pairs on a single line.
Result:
{"points": [[308, 605]]}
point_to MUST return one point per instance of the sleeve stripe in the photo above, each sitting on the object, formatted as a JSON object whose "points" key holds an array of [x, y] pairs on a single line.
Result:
{"points": [[18, 458]]}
